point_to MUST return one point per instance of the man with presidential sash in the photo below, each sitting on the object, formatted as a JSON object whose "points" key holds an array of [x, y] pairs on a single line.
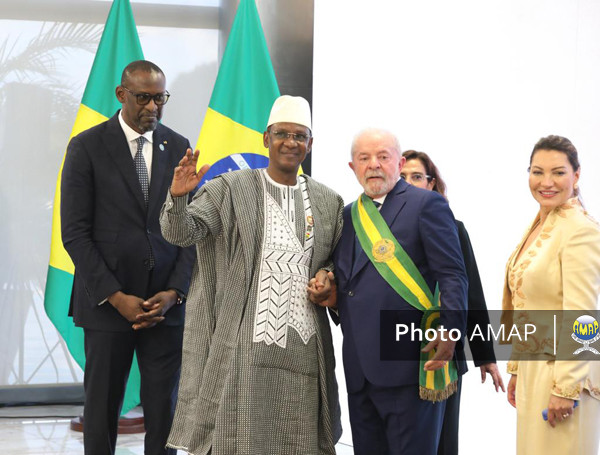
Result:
{"points": [[399, 259]]}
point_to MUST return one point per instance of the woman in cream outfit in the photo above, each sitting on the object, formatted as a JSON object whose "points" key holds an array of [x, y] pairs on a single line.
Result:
{"points": [[555, 267]]}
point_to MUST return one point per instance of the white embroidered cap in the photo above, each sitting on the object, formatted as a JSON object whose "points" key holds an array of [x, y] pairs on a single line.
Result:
{"points": [[290, 109]]}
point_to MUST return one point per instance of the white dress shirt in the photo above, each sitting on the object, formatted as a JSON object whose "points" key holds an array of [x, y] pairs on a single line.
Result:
{"points": [[131, 136]]}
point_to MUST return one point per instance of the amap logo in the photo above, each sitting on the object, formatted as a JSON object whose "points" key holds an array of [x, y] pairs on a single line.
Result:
{"points": [[585, 331]]}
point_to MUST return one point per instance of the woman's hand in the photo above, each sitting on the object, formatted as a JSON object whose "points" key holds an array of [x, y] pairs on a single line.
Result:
{"points": [[492, 369], [559, 409], [511, 394]]}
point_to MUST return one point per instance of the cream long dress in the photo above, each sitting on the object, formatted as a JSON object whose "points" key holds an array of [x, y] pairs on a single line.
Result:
{"points": [[560, 270]]}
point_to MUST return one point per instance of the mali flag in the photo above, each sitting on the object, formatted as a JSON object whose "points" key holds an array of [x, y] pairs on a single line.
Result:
{"points": [[231, 135], [118, 47]]}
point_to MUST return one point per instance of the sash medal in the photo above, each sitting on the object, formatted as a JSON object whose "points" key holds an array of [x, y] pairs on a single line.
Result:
{"points": [[399, 271]]}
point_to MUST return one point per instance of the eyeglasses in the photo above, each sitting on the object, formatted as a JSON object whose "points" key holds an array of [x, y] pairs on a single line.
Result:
{"points": [[144, 98], [416, 177], [283, 135]]}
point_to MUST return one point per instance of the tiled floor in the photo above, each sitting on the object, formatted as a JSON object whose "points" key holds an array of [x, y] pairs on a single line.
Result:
{"points": [[25, 431]]}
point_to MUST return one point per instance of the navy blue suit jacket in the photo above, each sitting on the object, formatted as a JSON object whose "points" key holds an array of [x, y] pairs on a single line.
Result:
{"points": [[424, 226], [107, 230]]}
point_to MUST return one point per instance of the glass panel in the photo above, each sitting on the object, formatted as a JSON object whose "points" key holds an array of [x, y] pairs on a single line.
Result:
{"points": [[43, 71]]}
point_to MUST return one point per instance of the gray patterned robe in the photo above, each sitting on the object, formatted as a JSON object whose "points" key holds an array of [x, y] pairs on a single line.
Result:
{"points": [[237, 396]]}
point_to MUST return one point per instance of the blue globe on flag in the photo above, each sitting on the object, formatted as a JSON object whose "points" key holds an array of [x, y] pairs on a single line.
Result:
{"points": [[235, 162]]}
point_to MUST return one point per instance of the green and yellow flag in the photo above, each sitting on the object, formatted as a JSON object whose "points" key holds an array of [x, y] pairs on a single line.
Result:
{"points": [[231, 135], [118, 46]]}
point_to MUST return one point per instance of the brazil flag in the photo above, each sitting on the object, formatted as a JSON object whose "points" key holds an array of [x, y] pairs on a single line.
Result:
{"points": [[245, 89]]}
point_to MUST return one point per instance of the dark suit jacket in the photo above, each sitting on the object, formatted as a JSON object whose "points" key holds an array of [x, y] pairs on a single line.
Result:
{"points": [[482, 350], [424, 226], [107, 230]]}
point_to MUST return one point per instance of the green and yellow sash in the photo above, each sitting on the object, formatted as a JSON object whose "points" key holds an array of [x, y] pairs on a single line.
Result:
{"points": [[399, 271]]}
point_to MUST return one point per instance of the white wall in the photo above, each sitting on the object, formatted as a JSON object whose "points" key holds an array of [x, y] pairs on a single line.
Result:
{"points": [[474, 84]]}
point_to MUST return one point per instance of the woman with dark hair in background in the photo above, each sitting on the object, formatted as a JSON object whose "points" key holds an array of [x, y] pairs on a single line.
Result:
{"points": [[555, 267], [420, 171]]}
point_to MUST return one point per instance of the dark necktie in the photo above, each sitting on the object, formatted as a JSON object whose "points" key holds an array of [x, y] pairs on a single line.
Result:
{"points": [[358, 250], [140, 167], [142, 172]]}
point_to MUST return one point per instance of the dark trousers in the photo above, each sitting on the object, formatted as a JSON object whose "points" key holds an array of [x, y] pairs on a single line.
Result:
{"points": [[108, 361], [394, 421], [449, 438]]}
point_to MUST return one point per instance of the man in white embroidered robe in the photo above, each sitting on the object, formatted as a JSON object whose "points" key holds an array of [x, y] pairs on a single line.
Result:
{"points": [[258, 366]]}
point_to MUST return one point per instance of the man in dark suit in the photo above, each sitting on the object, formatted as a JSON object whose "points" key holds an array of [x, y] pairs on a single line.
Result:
{"points": [[387, 414], [129, 281]]}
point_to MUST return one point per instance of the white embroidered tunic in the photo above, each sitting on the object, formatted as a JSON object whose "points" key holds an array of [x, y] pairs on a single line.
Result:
{"points": [[282, 300], [238, 396]]}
